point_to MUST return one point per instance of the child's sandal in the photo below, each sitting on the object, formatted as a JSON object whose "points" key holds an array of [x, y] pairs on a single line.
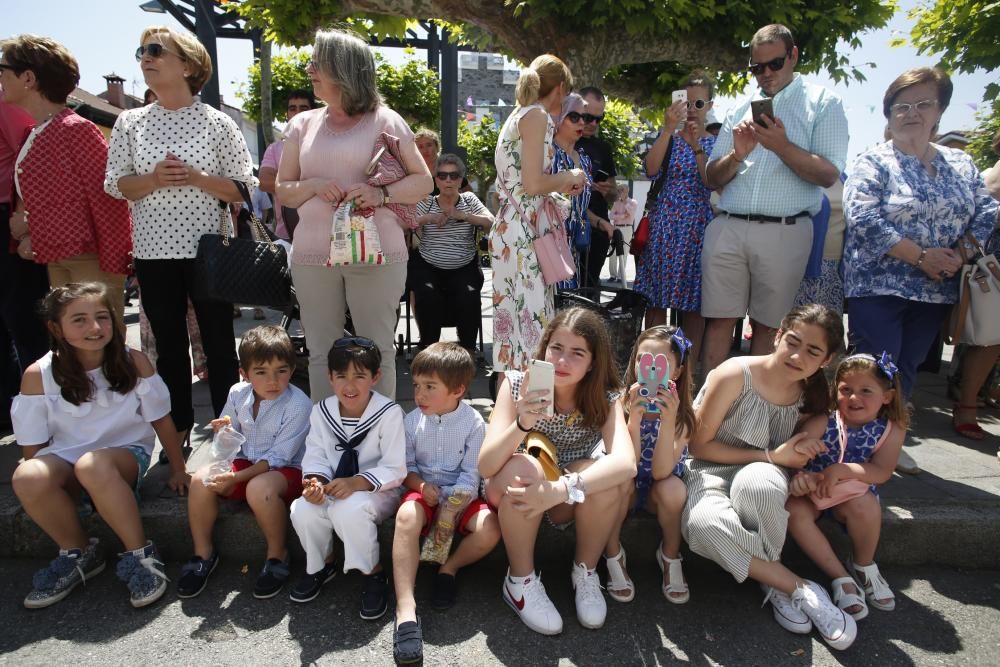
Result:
{"points": [[676, 589], [845, 600], [876, 587], [620, 586]]}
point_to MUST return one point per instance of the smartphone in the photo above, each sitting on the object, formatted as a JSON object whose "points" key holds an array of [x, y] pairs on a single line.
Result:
{"points": [[600, 175], [760, 108], [678, 96], [652, 372], [542, 375]]}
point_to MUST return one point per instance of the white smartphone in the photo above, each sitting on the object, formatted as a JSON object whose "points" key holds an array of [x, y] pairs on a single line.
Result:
{"points": [[678, 96], [542, 375]]}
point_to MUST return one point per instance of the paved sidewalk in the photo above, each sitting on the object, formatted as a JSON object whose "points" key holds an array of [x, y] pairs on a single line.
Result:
{"points": [[948, 514]]}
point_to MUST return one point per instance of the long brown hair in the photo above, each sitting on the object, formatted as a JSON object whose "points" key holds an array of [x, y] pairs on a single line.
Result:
{"points": [[687, 421], [590, 396], [75, 386], [895, 409], [816, 392]]}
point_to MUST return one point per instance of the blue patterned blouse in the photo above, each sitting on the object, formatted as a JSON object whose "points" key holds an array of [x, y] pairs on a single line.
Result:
{"points": [[649, 430], [577, 226], [861, 444], [888, 197]]}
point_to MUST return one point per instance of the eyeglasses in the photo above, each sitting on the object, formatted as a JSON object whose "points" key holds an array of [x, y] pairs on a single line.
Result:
{"points": [[902, 108], [574, 117], [774, 65], [591, 118], [153, 50], [312, 64], [4, 66], [355, 341], [697, 104], [445, 175]]}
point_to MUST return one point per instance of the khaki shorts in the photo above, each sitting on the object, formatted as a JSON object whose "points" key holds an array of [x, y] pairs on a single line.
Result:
{"points": [[753, 267]]}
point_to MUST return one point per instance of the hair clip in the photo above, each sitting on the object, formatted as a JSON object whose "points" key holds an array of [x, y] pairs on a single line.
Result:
{"points": [[885, 365], [681, 342]]}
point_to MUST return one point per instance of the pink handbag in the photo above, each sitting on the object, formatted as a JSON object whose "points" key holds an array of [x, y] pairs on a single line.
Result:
{"points": [[551, 244], [848, 489]]}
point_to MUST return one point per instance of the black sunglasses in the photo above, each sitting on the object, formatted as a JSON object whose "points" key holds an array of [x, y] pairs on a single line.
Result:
{"points": [[355, 341], [773, 65], [154, 50], [591, 118], [4, 66], [574, 116], [445, 175]]}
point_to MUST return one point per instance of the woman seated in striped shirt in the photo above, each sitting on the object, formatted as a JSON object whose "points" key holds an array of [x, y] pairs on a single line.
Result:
{"points": [[444, 274], [740, 457]]}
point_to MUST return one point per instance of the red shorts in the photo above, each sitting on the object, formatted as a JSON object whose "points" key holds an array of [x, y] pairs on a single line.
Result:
{"points": [[475, 507], [292, 475]]}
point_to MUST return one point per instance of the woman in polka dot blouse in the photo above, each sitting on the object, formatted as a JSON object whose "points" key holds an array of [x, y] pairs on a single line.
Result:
{"points": [[175, 160]]}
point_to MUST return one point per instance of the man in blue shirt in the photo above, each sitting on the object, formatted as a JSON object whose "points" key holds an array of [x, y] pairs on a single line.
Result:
{"points": [[771, 173]]}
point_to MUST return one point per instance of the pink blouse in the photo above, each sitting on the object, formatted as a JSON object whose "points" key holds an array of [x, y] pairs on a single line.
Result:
{"points": [[341, 157]]}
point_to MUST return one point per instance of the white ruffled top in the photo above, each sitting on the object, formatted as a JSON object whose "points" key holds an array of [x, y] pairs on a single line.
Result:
{"points": [[108, 419]]}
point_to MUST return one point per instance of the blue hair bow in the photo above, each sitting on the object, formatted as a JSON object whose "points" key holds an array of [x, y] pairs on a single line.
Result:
{"points": [[681, 342], [885, 365]]}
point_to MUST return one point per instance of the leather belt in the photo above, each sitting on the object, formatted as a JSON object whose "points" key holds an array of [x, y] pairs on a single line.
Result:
{"points": [[761, 219]]}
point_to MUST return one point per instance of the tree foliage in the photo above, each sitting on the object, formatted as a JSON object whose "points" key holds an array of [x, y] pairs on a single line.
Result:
{"points": [[288, 73], [480, 142], [623, 129], [963, 32], [981, 145]]}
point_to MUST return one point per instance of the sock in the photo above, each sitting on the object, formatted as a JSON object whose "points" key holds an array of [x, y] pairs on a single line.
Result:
{"points": [[518, 581]]}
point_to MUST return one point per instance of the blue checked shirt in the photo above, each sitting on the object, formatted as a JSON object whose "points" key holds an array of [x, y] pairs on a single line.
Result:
{"points": [[444, 449], [814, 121], [278, 433]]}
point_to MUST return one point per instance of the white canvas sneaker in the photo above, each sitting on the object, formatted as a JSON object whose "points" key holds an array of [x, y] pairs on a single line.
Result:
{"points": [[591, 607], [787, 615], [836, 626], [531, 603]]}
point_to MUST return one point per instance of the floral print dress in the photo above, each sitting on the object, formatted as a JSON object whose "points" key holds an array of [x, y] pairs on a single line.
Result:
{"points": [[522, 304]]}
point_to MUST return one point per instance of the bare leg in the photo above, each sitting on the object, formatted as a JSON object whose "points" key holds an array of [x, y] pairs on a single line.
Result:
{"points": [[108, 475], [863, 516], [717, 341], [484, 535], [615, 538], [519, 532], [670, 494], [775, 575], [265, 496], [763, 339], [694, 328], [655, 316], [977, 364], [405, 558], [203, 509], [595, 518], [802, 516], [41, 486]]}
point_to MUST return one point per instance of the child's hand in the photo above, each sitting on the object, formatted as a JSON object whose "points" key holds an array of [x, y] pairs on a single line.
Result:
{"points": [[535, 499], [431, 493], [829, 478], [636, 404], [803, 483], [222, 484], [340, 488], [811, 447], [531, 406], [312, 491], [669, 402], [220, 423], [179, 482], [796, 451]]}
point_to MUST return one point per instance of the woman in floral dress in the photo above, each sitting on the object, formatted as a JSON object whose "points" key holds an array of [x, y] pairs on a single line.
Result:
{"points": [[668, 272], [522, 303]]}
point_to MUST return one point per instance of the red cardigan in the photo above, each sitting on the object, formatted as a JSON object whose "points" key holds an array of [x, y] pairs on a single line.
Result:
{"points": [[62, 190]]}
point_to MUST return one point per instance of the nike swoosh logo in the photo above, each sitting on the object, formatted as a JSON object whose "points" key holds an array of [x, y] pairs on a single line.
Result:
{"points": [[518, 603]]}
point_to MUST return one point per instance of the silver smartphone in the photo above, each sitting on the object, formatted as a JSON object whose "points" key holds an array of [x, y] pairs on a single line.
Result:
{"points": [[542, 375]]}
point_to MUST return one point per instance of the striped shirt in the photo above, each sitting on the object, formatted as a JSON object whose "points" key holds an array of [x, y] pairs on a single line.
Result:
{"points": [[452, 245], [278, 432], [444, 449], [814, 121]]}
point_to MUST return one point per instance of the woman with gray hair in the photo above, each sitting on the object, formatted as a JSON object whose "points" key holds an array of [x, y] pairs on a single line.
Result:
{"points": [[323, 165], [445, 275]]}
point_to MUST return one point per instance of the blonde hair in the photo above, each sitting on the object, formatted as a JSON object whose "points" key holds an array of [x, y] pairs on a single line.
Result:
{"points": [[56, 70], [190, 51], [540, 78]]}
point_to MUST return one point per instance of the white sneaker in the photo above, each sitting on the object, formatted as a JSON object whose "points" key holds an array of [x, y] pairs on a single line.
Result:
{"points": [[835, 625], [591, 607], [530, 602], [788, 616]]}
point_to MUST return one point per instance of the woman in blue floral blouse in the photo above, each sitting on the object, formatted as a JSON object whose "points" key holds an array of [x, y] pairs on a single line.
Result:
{"points": [[907, 204]]}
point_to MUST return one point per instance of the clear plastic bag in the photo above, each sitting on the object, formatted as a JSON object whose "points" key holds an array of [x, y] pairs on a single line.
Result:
{"points": [[437, 544], [226, 444]]}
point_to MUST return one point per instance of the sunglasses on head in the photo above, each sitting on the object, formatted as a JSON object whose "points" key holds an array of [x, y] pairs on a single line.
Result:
{"points": [[591, 118], [445, 175], [574, 117], [154, 50], [354, 341], [773, 65]]}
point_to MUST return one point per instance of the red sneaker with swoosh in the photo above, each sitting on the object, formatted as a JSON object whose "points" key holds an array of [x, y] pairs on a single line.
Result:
{"points": [[530, 602]]}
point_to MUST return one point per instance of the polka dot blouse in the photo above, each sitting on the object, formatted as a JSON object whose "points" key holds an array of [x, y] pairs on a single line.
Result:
{"points": [[168, 222]]}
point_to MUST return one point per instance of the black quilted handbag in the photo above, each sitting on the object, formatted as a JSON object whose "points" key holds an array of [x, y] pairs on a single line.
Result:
{"points": [[250, 272]]}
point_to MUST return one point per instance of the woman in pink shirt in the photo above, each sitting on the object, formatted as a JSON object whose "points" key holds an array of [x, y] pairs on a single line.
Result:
{"points": [[326, 152]]}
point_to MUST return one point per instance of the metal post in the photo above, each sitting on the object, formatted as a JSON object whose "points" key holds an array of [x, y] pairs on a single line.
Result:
{"points": [[433, 48], [449, 94], [255, 37], [205, 30]]}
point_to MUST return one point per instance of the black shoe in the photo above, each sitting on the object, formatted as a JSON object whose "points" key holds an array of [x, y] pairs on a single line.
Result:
{"points": [[307, 588], [408, 643], [194, 575], [443, 592], [271, 579], [374, 596]]}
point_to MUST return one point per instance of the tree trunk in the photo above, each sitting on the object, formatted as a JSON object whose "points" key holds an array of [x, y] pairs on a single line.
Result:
{"points": [[266, 113]]}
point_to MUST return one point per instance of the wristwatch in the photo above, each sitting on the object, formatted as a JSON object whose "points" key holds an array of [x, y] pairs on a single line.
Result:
{"points": [[575, 491], [386, 199]]}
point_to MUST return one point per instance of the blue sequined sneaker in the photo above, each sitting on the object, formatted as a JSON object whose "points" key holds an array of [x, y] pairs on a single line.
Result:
{"points": [[73, 567], [142, 570]]}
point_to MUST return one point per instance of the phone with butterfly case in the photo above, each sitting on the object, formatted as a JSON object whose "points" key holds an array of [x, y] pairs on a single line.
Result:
{"points": [[652, 372]]}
